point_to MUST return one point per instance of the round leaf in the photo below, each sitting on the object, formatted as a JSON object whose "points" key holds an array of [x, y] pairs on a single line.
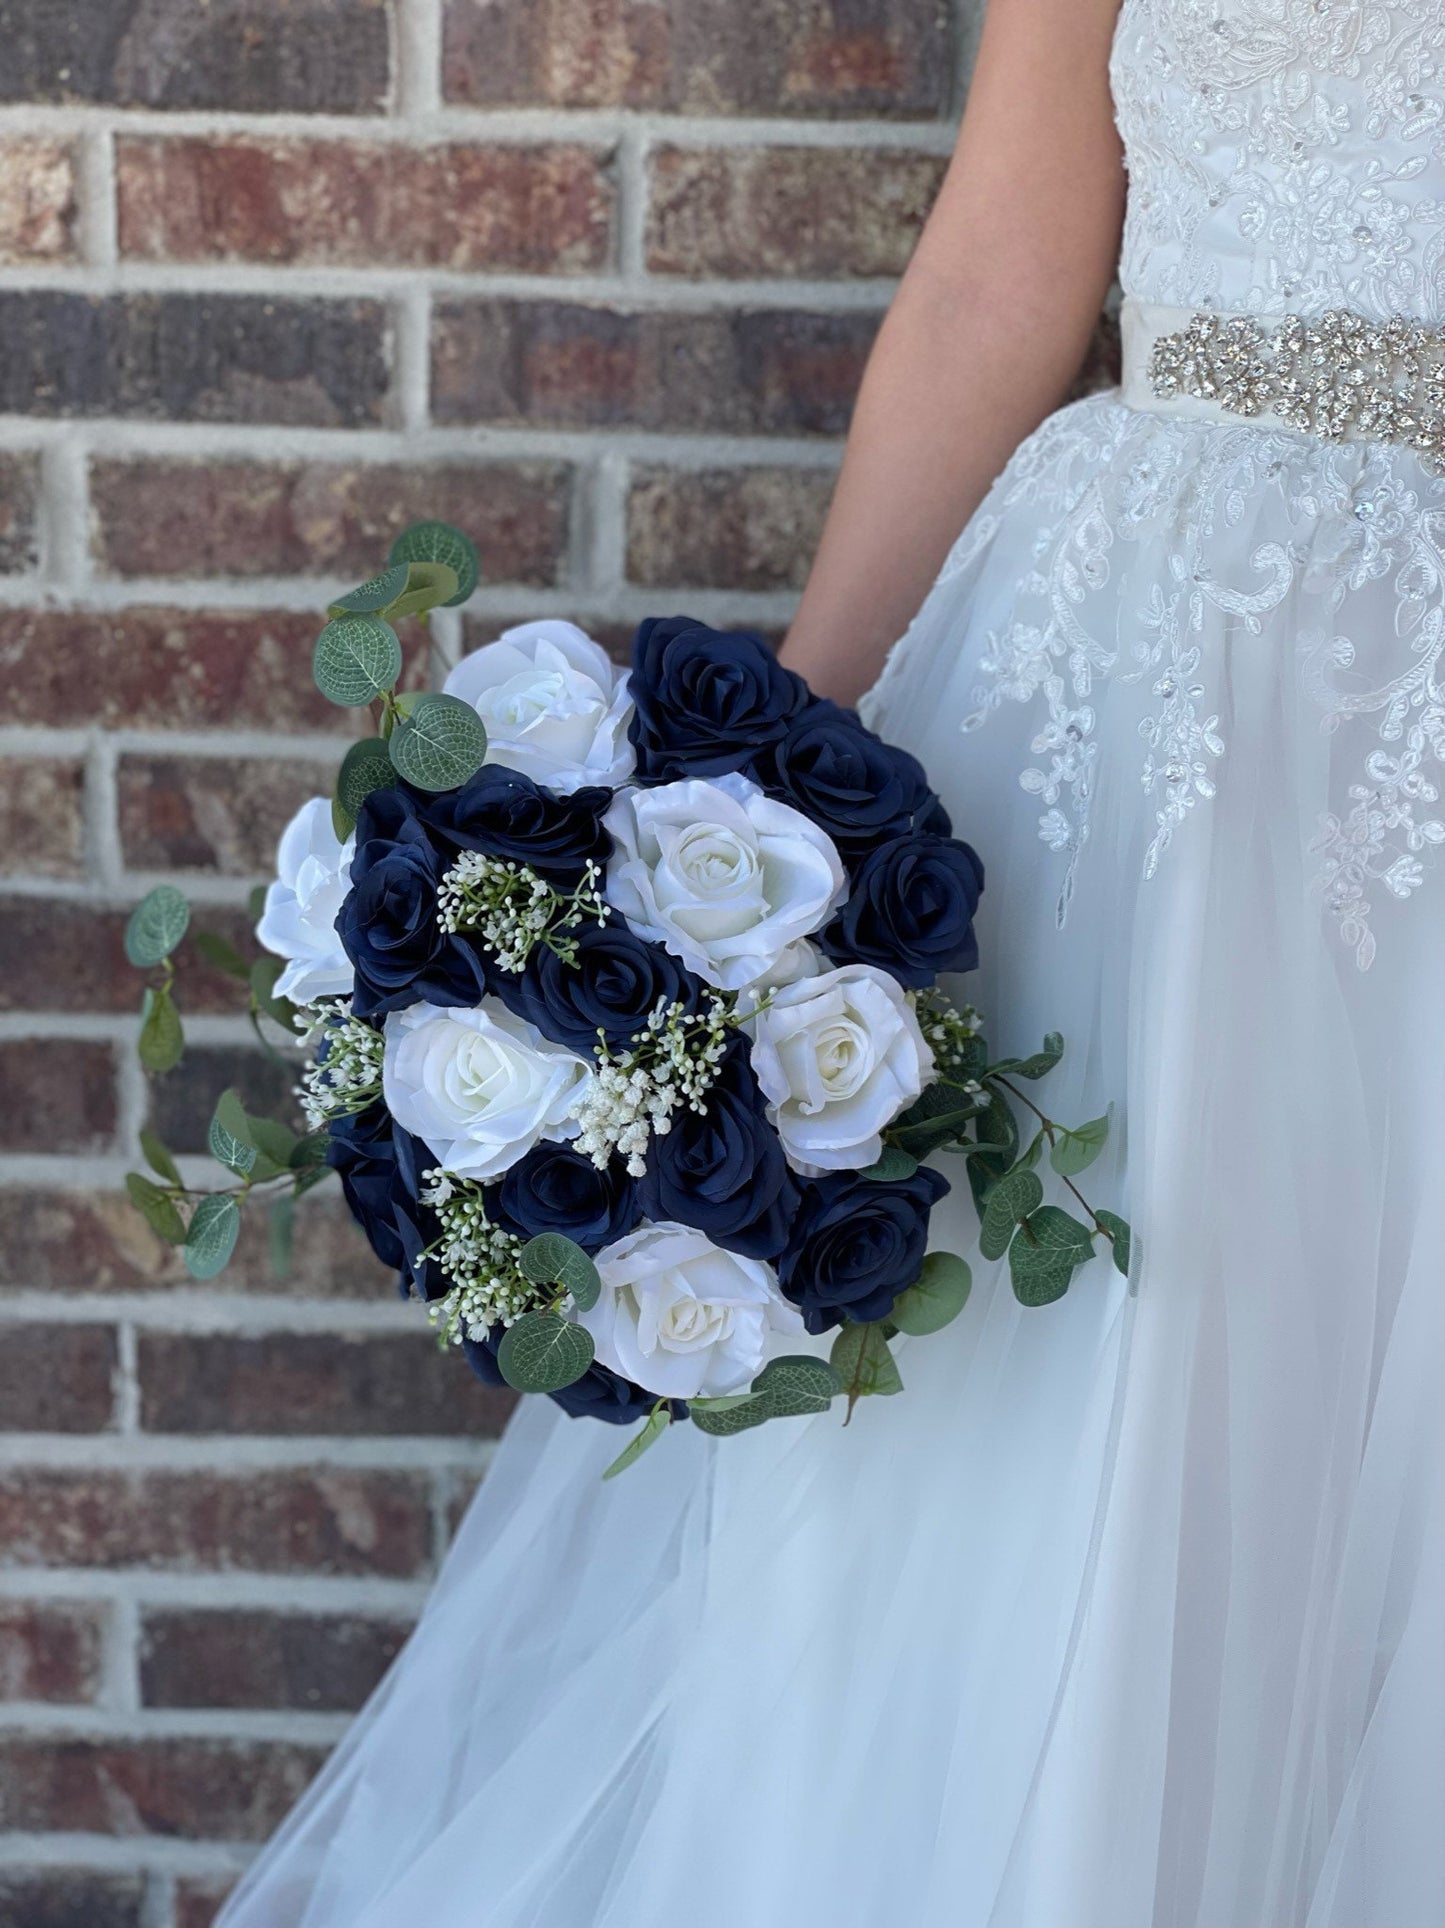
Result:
{"points": [[1120, 1236], [1075, 1151], [1010, 1200], [440, 745], [428, 586], [551, 1259], [865, 1365], [229, 1136], [894, 1165], [356, 659], [1039, 1276], [370, 597], [215, 1227], [939, 1296], [657, 1424], [440, 542], [162, 1042], [366, 767], [543, 1353], [724, 1422], [157, 925], [158, 1157], [156, 1208], [797, 1385]]}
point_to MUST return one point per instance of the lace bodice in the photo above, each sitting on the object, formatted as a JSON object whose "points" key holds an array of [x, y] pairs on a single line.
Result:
{"points": [[1284, 155]]}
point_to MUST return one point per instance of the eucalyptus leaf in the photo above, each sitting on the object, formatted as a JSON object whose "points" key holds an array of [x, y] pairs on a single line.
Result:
{"points": [[357, 659], [1074, 1151], [998, 1137], [1039, 1275], [797, 1385], [229, 1137], [156, 926], [366, 767], [864, 1364], [162, 1042], [724, 1422], [440, 542], [894, 1166], [157, 1208], [272, 1139], [222, 955], [1059, 1231], [551, 1259], [440, 745], [264, 974], [1010, 1200], [725, 1402], [1029, 1161], [657, 1423], [429, 585], [370, 598], [544, 1353], [281, 1234], [938, 1298], [157, 1155], [1121, 1237], [1038, 1066], [310, 1150], [215, 1227]]}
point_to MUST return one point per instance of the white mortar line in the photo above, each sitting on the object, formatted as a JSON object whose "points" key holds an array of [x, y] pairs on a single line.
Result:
{"points": [[321, 1595], [105, 863], [95, 181], [121, 1670], [238, 1454], [633, 196], [127, 1400], [416, 62], [121, 1854], [47, 1720], [411, 372], [194, 1311], [64, 511]]}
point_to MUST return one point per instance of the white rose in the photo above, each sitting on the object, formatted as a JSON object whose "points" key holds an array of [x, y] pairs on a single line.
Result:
{"points": [[838, 1057], [721, 875], [299, 922], [480, 1087], [554, 703], [682, 1318]]}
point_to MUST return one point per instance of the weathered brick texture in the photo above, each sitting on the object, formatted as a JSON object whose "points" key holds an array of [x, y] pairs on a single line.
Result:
{"points": [[596, 279]]}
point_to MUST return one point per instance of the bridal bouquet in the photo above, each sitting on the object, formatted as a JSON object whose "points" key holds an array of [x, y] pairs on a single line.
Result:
{"points": [[621, 996]]}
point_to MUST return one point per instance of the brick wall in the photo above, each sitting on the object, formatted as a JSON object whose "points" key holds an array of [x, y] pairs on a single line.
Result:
{"points": [[593, 278]]}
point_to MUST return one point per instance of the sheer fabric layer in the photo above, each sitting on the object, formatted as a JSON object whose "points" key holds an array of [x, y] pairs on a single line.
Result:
{"points": [[1130, 1613]]}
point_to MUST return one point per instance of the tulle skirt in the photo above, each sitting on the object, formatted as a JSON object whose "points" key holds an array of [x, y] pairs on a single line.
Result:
{"points": [[1129, 1613]]}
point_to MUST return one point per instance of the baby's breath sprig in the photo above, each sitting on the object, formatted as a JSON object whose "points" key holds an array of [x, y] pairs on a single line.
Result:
{"points": [[510, 909], [345, 1075], [489, 1287], [673, 1062]]}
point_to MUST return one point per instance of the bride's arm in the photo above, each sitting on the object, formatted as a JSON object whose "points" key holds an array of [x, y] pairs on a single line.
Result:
{"points": [[988, 330]]}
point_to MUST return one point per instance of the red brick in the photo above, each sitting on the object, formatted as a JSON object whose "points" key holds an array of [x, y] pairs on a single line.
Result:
{"points": [[195, 1789], [57, 1378], [50, 1651], [771, 56], [534, 210], [56, 955], [322, 1663], [42, 826], [319, 1520], [71, 1898], [151, 668], [182, 1103], [96, 1242], [176, 518], [725, 528], [37, 201], [303, 1382], [221, 814], [59, 1095], [822, 211], [19, 498], [570, 365], [199, 1902]]}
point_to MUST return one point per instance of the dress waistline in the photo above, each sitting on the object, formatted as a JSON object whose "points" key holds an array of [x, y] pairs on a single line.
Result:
{"points": [[1343, 377]]}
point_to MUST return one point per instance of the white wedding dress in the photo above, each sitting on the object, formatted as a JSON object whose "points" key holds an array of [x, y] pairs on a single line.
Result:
{"points": [[1131, 1612]]}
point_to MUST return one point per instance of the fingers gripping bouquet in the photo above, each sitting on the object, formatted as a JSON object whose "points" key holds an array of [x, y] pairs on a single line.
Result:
{"points": [[628, 1039]]}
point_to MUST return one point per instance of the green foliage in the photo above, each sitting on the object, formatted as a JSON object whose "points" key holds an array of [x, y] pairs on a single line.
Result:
{"points": [[551, 1259], [797, 1385], [156, 1207], [1047, 1251], [440, 542], [1074, 1151], [1008, 1202], [156, 926], [371, 598], [656, 1424], [281, 1233], [222, 955], [158, 1157], [1120, 1236], [940, 1117], [940, 1295], [264, 973], [724, 1419], [367, 766], [162, 1041], [215, 1227], [1038, 1066], [440, 744], [429, 585], [229, 1138], [357, 659], [895, 1165], [865, 1365], [544, 1353]]}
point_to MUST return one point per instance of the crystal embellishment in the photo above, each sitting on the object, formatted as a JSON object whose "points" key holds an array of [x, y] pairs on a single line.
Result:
{"points": [[1342, 376]]}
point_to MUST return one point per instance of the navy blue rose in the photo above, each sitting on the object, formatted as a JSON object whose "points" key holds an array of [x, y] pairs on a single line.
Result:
{"points": [[706, 700], [599, 1394], [911, 910], [388, 924], [857, 1245], [503, 813], [722, 1170], [556, 1189], [849, 782], [619, 979], [380, 1164]]}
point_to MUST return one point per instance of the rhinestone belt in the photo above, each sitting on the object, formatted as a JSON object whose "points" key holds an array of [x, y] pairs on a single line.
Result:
{"points": [[1341, 376]]}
